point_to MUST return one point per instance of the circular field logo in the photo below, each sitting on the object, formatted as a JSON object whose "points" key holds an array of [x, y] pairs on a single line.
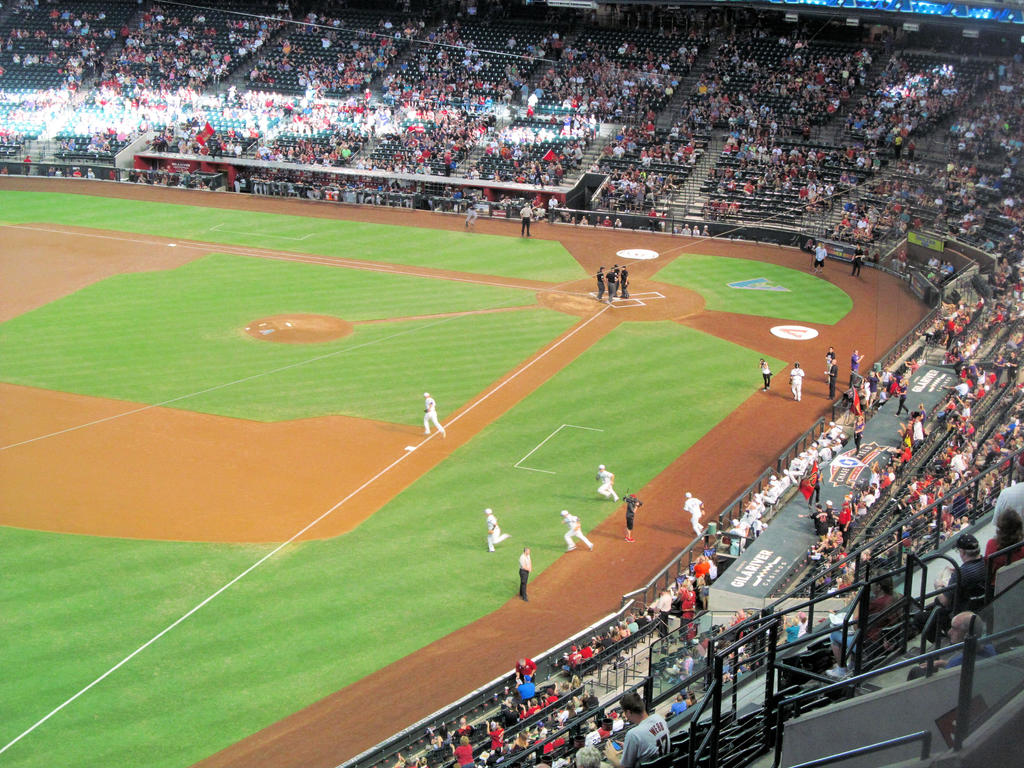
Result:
{"points": [[794, 332], [637, 254]]}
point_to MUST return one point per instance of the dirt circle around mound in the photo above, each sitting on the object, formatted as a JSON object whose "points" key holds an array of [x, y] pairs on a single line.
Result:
{"points": [[648, 300], [299, 329]]}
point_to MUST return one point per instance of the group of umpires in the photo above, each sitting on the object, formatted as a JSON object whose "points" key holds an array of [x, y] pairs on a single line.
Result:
{"points": [[617, 282]]}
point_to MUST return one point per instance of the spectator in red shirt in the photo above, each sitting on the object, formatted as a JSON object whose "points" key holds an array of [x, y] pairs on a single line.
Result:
{"points": [[464, 752], [525, 666], [497, 734]]}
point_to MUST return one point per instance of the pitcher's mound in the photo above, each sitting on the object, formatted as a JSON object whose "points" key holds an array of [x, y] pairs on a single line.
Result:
{"points": [[299, 329]]}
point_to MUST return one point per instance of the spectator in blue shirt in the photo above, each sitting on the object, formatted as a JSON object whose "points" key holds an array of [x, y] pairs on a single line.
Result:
{"points": [[526, 689]]}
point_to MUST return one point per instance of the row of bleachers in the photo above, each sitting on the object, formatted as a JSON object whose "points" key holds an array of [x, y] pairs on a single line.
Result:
{"points": [[617, 74], [97, 147], [173, 47], [914, 93], [526, 145], [47, 46], [469, 64], [331, 57], [795, 82], [782, 180]]}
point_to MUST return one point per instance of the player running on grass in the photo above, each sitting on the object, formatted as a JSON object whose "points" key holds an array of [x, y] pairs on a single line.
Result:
{"points": [[494, 534], [607, 479], [575, 530], [430, 415]]}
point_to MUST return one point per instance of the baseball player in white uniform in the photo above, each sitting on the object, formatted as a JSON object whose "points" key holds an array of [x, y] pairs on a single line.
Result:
{"points": [[430, 415], [606, 479], [695, 507], [573, 524], [796, 381], [494, 534]]}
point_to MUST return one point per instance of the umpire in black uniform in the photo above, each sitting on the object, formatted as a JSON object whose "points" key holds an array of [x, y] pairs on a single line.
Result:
{"points": [[613, 279], [600, 283]]}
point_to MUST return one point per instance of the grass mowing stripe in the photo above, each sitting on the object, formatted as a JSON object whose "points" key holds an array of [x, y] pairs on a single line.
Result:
{"points": [[153, 337], [323, 614], [460, 251], [806, 298]]}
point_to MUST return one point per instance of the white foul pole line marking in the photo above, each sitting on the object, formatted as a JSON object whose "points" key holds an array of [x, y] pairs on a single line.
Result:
{"points": [[541, 443], [405, 454]]}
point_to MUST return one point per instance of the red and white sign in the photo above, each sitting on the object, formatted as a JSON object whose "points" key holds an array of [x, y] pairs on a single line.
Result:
{"points": [[794, 332]]}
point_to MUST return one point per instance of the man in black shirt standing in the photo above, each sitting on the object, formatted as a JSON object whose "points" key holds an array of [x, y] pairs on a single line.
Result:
{"points": [[833, 373], [600, 283], [624, 283], [613, 279]]}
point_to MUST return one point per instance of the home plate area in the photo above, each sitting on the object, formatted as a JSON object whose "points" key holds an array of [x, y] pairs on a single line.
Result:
{"points": [[634, 300]]}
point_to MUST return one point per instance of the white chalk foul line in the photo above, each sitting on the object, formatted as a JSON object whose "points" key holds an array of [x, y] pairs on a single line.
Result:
{"points": [[541, 443], [258, 563]]}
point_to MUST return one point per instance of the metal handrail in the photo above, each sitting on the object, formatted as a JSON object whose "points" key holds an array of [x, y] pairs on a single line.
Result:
{"points": [[925, 737]]}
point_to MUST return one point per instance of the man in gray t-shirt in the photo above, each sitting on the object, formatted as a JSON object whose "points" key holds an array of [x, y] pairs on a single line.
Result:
{"points": [[647, 740]]}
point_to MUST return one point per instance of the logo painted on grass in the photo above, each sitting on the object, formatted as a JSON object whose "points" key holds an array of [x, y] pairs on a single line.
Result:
{"points": [[638, 254], [757, 284], [794, 332]]}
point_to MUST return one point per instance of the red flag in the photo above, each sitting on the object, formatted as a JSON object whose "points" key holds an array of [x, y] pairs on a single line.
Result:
{"points": [[809, 483], [856, 402], [550, 157], [204, 134]]}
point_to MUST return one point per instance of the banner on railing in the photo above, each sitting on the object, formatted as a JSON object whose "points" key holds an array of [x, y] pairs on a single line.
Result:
{"points": [[930, 242]]}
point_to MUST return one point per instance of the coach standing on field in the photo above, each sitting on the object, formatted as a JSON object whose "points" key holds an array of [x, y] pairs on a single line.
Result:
{"points": [[525, 215], [525, 567]]}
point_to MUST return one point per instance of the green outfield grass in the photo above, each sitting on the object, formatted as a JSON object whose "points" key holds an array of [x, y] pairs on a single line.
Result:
{"points": [[530, 258], [153, 337], [321, 615], [808, 299]]}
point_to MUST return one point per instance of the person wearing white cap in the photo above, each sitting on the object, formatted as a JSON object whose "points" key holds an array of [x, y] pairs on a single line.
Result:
{"points": [[695, 507], [606, 479], [430, 415], [796, 381], [494, 534], [575, 530]]}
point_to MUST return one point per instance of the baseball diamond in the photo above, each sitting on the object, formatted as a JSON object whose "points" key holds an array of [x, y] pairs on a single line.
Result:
{"points": [[338, 340], [137, 410]]}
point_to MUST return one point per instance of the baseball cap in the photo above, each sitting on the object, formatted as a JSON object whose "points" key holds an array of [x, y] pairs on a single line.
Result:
{"points": [[828, 503], [487, 511], [689, 495], [600, 466], [426, 394], [967, 541], [565, 513]]}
